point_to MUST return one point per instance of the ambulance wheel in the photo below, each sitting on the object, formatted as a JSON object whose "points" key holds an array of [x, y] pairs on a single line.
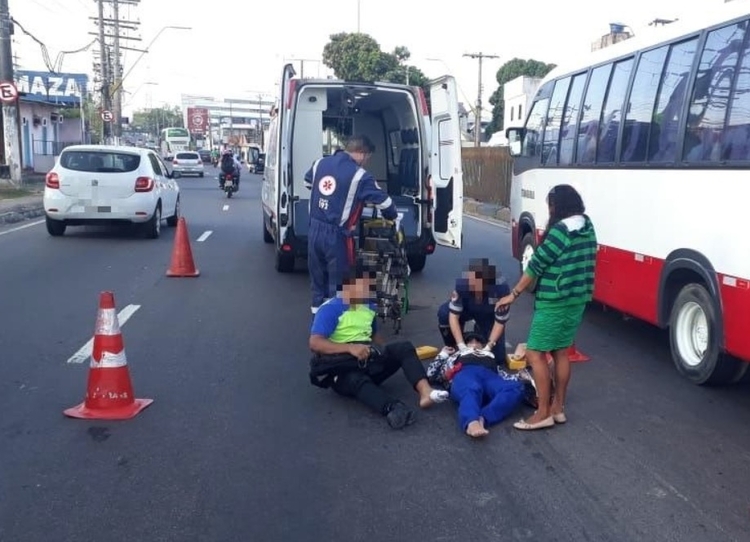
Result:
{"points": [[694, 339], [284, 263], [416, 262], [267, 237]]}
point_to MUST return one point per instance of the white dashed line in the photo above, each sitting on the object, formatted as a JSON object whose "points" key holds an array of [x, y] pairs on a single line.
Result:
{"points": [[225, 208], [205, 235], [85, 351], [19, 228]]}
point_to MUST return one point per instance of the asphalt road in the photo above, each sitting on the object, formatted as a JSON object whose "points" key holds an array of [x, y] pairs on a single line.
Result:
{"points": [[239, 447]]}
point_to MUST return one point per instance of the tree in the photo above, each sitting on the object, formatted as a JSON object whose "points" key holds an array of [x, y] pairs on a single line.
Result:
{"points": [[507, 72], [154, 119], [358, 57]]}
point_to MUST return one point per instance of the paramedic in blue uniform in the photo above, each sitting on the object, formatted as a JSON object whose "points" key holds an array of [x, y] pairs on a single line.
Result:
{"points": [[340, 188], [474, 298]]}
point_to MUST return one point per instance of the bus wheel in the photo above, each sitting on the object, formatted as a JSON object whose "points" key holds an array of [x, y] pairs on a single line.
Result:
{"points": [[693, 338], [527, 251]]}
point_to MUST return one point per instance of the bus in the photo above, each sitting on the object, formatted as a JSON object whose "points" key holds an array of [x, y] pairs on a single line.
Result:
{"points": [[173, 140], [654, 132]]}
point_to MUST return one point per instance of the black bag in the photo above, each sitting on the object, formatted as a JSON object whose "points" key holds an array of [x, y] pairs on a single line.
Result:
{"points": [[324, 369], [227, 164]]}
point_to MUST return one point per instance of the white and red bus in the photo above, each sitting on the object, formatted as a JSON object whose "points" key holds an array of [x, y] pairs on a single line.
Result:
{"points": [[654, 132]]}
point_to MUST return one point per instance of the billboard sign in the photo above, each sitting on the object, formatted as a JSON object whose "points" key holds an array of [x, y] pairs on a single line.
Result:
{"points": [[197, 120], [59, 88]]}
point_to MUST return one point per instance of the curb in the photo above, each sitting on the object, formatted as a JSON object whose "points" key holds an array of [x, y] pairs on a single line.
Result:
{"points": [[490, 211], [21, 212]]}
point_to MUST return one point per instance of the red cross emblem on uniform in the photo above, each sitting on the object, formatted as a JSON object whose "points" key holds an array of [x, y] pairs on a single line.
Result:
{"points": [[327, 185]]}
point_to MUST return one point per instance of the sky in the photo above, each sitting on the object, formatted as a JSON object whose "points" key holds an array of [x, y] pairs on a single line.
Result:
{"points": [[236, 49]]}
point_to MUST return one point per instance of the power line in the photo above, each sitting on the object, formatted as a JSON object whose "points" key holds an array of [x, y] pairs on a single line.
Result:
{"points": [[478, 113]]}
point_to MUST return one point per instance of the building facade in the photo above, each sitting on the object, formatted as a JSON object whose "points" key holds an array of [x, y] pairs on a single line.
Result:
{"points": [[236, 122]]}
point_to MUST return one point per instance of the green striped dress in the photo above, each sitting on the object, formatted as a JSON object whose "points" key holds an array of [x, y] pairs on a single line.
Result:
{"points": [[563, 266]]}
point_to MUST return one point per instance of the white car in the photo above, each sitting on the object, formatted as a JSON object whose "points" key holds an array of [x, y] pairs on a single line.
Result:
{"points": [[97, 184], [187, 163]]}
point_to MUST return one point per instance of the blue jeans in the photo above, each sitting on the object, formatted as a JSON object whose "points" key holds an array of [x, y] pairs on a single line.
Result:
{"points": [[481, 392]]}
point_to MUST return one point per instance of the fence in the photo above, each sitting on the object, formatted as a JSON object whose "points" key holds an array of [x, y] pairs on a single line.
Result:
{"points": [[487, 174], [50, 148]]}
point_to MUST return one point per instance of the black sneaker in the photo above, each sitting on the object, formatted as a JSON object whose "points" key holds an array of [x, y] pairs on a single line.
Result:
{"points": [[399, 416]]}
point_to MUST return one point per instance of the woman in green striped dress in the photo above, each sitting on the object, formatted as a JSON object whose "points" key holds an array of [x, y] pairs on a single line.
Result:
{"points": [[563, 268]]}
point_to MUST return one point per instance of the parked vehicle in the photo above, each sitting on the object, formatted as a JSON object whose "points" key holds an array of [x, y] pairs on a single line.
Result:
{"points": [[187, 163], [205, 155], [417, 159], [97, 184]]}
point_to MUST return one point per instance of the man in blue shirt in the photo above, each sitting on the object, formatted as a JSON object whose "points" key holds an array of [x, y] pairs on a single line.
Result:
{"points": [[474, 298], [340, 188], [352, 358]]}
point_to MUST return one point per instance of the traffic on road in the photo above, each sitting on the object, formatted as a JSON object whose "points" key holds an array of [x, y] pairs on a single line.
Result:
{"points": [[237, 445]]}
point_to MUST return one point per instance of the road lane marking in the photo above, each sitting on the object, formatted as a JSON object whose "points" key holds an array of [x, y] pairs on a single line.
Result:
{"points": [[18, 228], [85, 351], [225, 208], [205, 235]]}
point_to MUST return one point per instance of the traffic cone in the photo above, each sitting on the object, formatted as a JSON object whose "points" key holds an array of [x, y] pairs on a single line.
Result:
{"points": [[109, 393], [574, 355], [182, 255]]}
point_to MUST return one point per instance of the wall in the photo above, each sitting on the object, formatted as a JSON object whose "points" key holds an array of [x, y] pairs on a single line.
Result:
{"points": [[42, 142], [487, 174]]}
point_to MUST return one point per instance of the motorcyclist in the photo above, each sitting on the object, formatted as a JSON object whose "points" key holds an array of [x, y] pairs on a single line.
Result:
{"points": [[230, 165]]}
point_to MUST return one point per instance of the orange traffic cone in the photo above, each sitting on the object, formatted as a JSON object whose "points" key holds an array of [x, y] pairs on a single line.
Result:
{"points": [[109, 393], [574, 355], [182, 255]]}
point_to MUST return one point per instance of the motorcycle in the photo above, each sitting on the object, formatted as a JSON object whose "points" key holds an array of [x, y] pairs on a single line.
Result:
{"points": [[228, 184]]}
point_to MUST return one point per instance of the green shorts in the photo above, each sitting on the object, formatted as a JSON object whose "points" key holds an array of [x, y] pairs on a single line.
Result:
{"points": [[554, 327]]}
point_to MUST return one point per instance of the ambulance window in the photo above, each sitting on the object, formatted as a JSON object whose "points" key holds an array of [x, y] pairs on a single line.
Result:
{"points": [[395, 138], [444, 141]]}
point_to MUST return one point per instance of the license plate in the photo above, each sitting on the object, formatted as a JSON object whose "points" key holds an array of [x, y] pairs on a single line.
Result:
{"points": [[104, 209]]}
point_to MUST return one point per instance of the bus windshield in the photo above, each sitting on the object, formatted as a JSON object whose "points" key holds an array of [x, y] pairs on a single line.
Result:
{"points": [[177, 132]]}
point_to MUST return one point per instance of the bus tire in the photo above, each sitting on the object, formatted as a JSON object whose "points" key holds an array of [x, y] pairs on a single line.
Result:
{"points": [[694, 341], [527, 250]]}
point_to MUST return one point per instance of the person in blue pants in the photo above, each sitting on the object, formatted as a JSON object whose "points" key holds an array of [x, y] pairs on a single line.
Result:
{"points": [[473, 298], [484, 398], [340, 187]]}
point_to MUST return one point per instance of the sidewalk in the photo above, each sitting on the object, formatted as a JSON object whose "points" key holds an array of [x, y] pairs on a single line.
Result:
{"points": [[489, 211], [18, 204]]}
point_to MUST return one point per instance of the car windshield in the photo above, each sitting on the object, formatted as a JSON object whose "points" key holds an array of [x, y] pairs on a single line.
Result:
{"points": [[100, 161], [186, 156]]}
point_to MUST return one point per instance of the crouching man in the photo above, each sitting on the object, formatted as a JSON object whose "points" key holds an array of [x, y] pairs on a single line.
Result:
{"points": [[350, 356]]}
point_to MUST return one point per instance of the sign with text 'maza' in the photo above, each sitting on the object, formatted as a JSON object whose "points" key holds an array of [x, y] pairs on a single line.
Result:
{"points": [[59, 88]]}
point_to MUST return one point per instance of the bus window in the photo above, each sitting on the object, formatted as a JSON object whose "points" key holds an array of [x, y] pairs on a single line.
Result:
{"points": [[642, 100], [554, 121], [736, 142], [588, 131], [664, 130], [612, 112], [711, 93], [570, 119], [532, 139]]}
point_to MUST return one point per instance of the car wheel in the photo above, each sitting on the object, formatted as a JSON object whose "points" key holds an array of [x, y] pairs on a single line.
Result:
{"points": [[153, 226], [172, 220], [417, 262], [55, 228], [200, 174]]}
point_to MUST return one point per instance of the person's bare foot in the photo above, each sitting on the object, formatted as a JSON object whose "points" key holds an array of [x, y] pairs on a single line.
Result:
{"points": [[432, 398], [476, 429]]}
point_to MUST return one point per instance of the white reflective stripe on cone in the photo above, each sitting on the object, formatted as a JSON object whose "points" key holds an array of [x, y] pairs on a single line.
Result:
{"points": [[107, 322], [110, 360]]}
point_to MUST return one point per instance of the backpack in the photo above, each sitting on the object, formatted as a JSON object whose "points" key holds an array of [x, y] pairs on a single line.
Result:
{"points": [[227, 163]]}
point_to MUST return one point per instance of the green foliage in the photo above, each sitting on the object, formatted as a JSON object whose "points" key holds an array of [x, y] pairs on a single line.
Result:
{"points": [[153, 120], [358, 57], [507, 72]]}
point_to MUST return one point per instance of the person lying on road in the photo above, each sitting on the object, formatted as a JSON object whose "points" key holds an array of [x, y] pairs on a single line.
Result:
{"points": [[351, 357], [484, 397]]}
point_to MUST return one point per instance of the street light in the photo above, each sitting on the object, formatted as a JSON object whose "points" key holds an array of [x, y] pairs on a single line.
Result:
{"points": [[137, 60]]}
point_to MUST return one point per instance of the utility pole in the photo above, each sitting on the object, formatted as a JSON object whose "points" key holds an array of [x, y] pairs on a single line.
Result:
{"points": [[11, 128], [478, 110], [112, 70]]}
